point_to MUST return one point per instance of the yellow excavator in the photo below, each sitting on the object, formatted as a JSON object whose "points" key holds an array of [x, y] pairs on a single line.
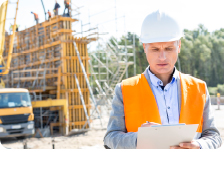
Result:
{"points": [[16, 112]]}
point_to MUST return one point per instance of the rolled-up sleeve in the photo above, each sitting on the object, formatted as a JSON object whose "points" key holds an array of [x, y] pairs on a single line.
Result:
{"points": [[210, 136], [117, 136]]}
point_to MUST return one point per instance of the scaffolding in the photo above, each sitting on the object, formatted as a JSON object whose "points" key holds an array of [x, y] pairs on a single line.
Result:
{"points": [[110, 61], [108, 65], [44, 61]]}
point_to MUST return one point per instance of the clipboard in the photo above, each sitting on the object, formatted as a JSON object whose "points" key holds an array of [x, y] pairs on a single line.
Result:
{"points": [[163, 137]]}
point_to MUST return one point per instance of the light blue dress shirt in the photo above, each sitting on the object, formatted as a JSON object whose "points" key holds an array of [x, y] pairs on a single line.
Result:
{"points": [[166, 99]]}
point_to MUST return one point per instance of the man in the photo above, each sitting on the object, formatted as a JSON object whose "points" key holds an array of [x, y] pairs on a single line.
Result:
{"points": [[17, 27], [161, 95], [49, 15], [56, 8], [66, 3], [36, 17]]}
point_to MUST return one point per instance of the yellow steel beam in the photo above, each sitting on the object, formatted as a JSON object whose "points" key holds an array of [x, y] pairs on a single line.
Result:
{"points": [[3, 12], [11, 43]]}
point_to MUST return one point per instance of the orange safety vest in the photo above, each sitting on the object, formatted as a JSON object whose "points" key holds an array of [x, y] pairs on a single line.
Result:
{"points": [[140, 104], [49, 13], [35, 15]]}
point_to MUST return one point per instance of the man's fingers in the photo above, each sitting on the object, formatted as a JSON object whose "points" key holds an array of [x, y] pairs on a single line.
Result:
{"points": [[149, 124], [192, 145], [146, 125], [176, 147], [152, 123]]}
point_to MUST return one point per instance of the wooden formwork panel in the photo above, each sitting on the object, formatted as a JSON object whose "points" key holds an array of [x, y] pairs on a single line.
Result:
{"points": [[71, 66]]}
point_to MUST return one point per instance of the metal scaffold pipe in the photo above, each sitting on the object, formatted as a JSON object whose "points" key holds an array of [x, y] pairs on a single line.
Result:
{"points": [[44, 10]]}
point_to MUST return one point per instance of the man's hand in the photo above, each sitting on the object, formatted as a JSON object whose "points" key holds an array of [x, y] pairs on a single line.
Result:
{"points": [[191, 145], [149, 124]]}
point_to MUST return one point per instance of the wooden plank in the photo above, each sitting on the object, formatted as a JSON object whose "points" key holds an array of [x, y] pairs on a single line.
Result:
{"points": [[59, 84]]}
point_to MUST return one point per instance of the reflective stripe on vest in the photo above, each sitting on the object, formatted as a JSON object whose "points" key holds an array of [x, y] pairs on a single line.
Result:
{"points": [[140, 104]]}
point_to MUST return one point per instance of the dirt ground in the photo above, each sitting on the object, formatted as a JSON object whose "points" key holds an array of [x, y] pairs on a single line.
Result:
{"points": [[92, 139]]}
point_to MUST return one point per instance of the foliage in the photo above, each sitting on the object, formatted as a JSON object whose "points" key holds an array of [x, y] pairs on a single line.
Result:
{"points": [[215, 90], [201, 55], [212, 90], [220, 89]]}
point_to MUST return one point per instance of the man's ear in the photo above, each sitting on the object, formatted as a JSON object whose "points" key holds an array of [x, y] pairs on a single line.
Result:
{"points": [[179, 46]]}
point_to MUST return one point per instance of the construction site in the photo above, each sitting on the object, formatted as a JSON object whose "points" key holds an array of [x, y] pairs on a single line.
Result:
{"points": [[71, 86], [71, 89]]}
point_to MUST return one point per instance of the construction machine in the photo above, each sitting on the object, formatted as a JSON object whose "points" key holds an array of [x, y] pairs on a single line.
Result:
{"points": [[16, 112]]}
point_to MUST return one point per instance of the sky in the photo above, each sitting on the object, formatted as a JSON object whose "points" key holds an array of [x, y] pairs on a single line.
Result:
{"points": [[130, 13]]}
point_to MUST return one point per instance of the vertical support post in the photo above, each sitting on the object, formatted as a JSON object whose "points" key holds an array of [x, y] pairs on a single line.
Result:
{"points": [[66, 117], [12, 82], [134, 54], [218, 100], [52, 139], [98, 62], [41, 120], [8, 80], [59, 83], [126, 55], [11, 43], [106, 69]]}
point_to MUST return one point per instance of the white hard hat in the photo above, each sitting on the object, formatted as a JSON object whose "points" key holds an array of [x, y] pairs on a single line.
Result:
{"points": [[160, 27]]}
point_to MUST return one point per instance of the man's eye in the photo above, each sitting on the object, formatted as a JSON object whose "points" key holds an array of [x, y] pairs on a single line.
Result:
{"points": [[155, 49], [169, 49]]}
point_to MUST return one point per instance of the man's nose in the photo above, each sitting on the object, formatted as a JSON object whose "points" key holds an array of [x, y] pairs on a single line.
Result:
{"points": [[162, 55]]}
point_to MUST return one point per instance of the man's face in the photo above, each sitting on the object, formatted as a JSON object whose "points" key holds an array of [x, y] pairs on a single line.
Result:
{"points": [[162, 56]]}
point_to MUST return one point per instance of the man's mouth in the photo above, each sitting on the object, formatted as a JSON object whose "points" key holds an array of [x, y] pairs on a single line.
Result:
{"points": [[164, 64]]}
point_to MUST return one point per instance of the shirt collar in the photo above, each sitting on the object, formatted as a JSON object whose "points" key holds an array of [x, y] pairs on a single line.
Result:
{"points": [[157, 82]]}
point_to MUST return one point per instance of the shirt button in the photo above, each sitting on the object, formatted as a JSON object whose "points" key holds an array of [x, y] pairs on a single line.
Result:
{"points": [[165, 90], [168, 107]]}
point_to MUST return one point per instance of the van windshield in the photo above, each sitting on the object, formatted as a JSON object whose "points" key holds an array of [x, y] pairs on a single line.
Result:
{"points": [[12, 100]]}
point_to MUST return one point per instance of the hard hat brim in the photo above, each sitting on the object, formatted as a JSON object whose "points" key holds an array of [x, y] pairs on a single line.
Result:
{"points": [[162, 39]]}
